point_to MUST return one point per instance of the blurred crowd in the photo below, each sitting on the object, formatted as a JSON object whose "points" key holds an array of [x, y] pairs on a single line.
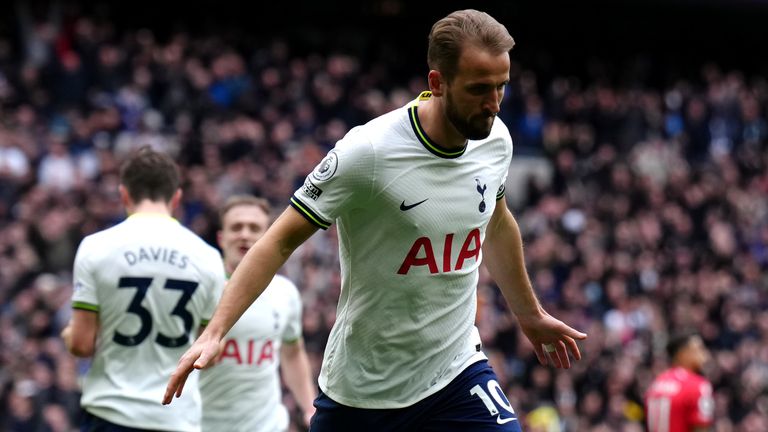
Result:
{"points": [[644, 208]]}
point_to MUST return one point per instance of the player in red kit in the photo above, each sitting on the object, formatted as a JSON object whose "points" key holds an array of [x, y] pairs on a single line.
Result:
{"points": [[680, 398]]}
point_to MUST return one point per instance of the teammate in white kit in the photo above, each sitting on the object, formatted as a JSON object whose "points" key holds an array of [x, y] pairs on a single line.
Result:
{"points": [[142, 290], [417, 195], [241, 393]]}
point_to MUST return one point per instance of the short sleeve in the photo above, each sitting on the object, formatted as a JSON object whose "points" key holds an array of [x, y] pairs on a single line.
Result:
{"points": [[508, 161], [340, 182], [703, 405], [500, 192], [84, 295], [292, 331]]}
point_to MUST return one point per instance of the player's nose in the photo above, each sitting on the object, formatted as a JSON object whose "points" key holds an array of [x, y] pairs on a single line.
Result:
{"points": [[249, 236], [492, 103]]}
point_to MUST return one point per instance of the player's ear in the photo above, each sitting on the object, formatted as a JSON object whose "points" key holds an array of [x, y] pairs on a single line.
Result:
{"points": [[218, 239], [175, 199], [436, 82], [125, 197]]}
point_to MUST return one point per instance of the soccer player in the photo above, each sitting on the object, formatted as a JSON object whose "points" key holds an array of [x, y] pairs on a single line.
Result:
{"points": [[142, 289], [242, 391], [680, 398], [418, 196]]}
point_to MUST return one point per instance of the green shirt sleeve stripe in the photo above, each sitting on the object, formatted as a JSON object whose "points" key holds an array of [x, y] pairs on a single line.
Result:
{"points": [[309, 214], [85, 306]]}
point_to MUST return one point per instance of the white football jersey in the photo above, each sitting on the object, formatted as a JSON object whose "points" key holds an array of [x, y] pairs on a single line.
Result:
{"points": [[242, 392], [153, 283], [411, 218]]}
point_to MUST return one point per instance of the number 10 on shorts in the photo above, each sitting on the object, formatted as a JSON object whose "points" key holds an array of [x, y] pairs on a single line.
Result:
{"points": [[496, 394]]}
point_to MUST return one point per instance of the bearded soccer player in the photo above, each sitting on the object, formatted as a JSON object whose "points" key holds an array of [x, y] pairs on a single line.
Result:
{"points": [[680, 398], [418, 198], [241, 393], [142, 290]]}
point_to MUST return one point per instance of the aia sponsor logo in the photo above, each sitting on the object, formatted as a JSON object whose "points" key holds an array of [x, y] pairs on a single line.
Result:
{"points": [[422, 254], [250, 352]]}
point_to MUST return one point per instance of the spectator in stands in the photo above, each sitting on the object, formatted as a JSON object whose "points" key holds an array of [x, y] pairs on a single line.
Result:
{"points": [[628, 257]]}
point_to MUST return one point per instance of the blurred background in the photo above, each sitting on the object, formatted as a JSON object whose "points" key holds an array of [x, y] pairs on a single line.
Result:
{"points": [[639, 180]]}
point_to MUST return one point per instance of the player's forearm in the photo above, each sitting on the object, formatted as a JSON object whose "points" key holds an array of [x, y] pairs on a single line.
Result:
{"points": [[80, 334], [257, 269], [297, 375], [246, 284], [66, 335], [503, 256]]}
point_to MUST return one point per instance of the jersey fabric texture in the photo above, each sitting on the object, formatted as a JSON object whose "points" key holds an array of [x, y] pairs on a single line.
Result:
{"points": [[679, 400], [411, 217], [242, 392], [473, 401], [153, 283]]}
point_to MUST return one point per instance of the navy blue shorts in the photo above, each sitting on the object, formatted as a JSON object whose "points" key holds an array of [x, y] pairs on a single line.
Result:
{"points": [[91, 423], [472, 402]]}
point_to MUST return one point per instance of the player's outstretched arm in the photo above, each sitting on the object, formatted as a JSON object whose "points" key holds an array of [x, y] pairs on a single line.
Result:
{"points": [[249, 280], [297, 374], [503, 255]]}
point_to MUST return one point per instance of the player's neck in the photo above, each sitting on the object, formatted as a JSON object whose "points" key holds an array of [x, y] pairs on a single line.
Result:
{"points": [[436, 125], [687, 368], [151, 207], [229, 268]]}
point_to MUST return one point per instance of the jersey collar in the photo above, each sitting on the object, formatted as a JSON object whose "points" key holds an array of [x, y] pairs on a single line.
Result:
{"points": [[422, 136]]}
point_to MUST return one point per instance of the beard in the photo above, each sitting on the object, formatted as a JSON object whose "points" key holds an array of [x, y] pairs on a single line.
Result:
{"points": [[475, 128]]}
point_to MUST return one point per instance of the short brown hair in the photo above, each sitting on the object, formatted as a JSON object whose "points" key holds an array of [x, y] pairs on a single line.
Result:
{"points": [[449, 35], [151, 175], [243, 200]]}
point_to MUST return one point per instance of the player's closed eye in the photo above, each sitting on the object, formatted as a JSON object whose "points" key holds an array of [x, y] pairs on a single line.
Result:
{"points": [[481, 89]]}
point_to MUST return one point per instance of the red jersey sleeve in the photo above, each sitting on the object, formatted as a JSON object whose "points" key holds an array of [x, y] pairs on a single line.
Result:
{"points": [[702, 403]]}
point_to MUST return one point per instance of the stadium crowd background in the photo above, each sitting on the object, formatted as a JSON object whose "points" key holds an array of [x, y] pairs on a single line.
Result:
{"points": [[640, 180]]}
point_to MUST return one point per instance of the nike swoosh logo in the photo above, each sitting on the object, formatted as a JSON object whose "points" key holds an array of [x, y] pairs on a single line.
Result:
{"points": [[500, 420], [404, 207]]}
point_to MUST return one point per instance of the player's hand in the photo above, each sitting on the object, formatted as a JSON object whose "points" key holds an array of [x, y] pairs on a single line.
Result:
{"points": [[200, 355], [66, 334], [220, 355], [551, 339], [308, 416]]}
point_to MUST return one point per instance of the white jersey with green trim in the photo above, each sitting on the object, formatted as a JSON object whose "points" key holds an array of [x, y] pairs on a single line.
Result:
{"points": [[242, 392], [153, 283], [411, 218]]}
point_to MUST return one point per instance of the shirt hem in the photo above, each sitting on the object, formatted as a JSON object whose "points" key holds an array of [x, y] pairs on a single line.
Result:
{"points": [[107, 414], [388, 404]]}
